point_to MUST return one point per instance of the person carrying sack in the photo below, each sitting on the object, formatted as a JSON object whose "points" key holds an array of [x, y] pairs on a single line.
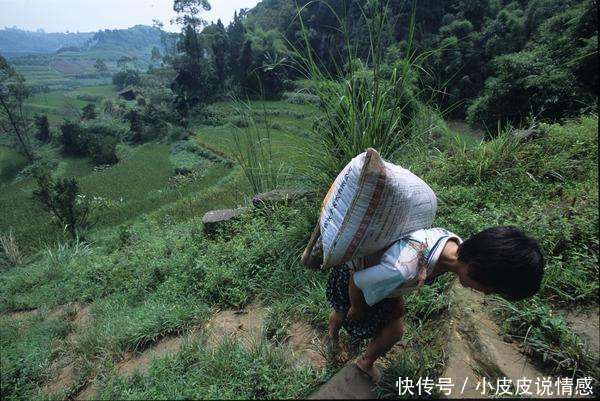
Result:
{"points": [[377, 254]]}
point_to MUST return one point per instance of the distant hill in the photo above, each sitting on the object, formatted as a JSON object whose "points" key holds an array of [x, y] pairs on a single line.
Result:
{"points": [[15, 41], [134, 38], [18, 42]]}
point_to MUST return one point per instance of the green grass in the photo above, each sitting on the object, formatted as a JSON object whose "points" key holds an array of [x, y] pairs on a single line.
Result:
{"points": [[138, 185], [289, 130], [11, 162], [61, 99], [27, 351], [229, 372]]}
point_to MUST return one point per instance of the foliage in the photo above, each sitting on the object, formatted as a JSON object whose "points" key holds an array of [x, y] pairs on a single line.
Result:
{"points": [[27, 351], [362, 107], [13, 93], [43, 127], [254, 152], [125, 78], [547, 79], [62, 199], [89, 111], [260, 371]]}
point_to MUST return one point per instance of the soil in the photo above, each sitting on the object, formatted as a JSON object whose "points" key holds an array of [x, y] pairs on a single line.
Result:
{"points": [[349, 383], [585, 323], [245, 325], [67, 373], [141, 361], [306, 345]]}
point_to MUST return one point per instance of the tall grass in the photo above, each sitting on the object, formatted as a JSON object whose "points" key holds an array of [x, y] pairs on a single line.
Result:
{"points": [[253, 149], [10, 249], [362, 103]]}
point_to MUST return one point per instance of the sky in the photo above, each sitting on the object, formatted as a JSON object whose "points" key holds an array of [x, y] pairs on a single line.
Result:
{"points": [[92, 15]]}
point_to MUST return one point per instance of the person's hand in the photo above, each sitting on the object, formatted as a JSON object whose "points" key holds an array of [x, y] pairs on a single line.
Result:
{"points": [[358, 315]]}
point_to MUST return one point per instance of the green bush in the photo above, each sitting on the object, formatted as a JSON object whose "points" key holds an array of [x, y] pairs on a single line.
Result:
{"points": [[126, 78], [63, 200], [525, 83]]}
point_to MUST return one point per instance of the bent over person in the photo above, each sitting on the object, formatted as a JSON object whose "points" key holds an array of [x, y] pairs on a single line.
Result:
{"points": [[366, 293]]}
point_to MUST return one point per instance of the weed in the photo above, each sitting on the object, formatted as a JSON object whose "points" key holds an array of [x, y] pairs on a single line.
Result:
{"points": [[10, 249]]}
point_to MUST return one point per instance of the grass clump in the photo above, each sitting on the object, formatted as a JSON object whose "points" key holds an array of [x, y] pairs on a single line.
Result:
{"points": [[230, 371], [27, 351]]}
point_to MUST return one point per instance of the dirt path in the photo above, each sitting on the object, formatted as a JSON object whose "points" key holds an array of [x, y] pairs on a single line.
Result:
{"points": [[245, 325], [477, 349]]}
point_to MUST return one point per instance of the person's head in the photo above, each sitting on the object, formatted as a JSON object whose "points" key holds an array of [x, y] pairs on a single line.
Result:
{"points": [[502, 260]]}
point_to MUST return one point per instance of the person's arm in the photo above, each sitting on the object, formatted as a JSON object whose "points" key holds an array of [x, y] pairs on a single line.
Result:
{"points": [[358, 305]]}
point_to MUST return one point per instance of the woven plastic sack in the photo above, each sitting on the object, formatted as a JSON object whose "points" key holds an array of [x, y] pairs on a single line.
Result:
{"points": [[370, 205]]}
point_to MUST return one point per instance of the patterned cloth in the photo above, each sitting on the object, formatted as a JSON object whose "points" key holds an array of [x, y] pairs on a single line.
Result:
{"points": [[339, 299], [403, 268]]}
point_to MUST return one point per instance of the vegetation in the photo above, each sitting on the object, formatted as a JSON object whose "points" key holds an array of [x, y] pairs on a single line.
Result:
{"points": [[105, 218], [63, 200]]}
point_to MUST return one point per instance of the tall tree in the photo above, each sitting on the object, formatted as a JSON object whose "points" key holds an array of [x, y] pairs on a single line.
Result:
{"points": [[13, 93], [188, 12], [237, 38], [246, 63], [220, 48]]}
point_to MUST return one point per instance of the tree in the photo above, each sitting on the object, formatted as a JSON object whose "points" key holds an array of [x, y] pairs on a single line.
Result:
{"points": [[64, 201], [13, 93], [100, 66], [125, 78], [89, 111], [236, 33], [195, 82], [188, 12], [73, 139], [220, 48], [246, 63], [155, 54], [123, 61], [136, 126], [43, 126]]}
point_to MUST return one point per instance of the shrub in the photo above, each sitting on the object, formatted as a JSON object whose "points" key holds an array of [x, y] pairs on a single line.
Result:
{"points": [[89, 111], [103, 150], [43, 127], [97, 139], [126, 78], [525, 83], [62, 199], [73, 139]]}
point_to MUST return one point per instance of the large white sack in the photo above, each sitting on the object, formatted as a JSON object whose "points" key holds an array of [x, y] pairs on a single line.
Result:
{"points": [[370, 205]]}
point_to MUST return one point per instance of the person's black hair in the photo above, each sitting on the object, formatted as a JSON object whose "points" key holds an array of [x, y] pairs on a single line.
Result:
{"points": [[505, 259]]}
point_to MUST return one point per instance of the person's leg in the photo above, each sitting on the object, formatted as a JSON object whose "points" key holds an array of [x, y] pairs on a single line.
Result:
{"points": [[333, 335], [390, 334], [379, 346]]}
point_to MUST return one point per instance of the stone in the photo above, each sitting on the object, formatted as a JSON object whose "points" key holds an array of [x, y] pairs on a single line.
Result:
{"points": [[347, 384], [526, 134], [215, 218], [281, 195]]}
